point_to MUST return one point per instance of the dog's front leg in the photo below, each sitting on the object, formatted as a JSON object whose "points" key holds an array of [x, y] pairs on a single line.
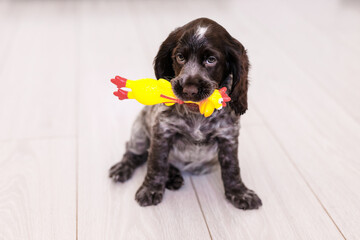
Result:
{"points": [[235, 190], [152, 190]]}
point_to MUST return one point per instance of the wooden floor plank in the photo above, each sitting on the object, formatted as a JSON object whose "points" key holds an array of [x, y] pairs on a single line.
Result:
{"points": [[108, 210], [37, 189], [37, 172], [37, 94]]}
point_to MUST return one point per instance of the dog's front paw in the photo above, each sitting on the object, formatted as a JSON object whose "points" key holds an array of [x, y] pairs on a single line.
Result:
{"points": [[243, 198], [121, 172], [146, 196]]}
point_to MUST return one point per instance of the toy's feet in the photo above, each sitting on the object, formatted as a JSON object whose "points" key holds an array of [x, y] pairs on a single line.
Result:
{"points": [[119, 81], [121, 94]]}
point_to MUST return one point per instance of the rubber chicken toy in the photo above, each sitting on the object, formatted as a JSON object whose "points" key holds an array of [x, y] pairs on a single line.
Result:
{"points": [[149, 91]]}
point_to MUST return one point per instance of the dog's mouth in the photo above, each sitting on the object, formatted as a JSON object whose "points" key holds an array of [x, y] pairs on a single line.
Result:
{"points": [[192, 107], [204, 91]]}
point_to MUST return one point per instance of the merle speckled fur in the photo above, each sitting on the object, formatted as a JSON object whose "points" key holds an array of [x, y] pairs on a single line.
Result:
{"points": [[179, 137]]}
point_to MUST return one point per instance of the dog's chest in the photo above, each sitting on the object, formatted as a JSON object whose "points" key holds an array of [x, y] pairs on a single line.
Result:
{"points": [[199, 131], [194, 148]]}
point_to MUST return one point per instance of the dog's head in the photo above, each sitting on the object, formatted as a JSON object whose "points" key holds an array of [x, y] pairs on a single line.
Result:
{"points": [[200, 57]]}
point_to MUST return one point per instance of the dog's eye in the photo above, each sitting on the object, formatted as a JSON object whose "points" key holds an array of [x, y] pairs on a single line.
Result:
{"points": [[211, 60], [180, 58]]}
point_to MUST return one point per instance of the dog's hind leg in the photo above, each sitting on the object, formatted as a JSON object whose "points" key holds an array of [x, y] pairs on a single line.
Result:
{"points": [[136, 152], [175, 180]]}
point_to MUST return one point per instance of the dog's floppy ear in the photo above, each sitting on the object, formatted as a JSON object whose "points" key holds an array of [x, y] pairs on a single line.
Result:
{"points": [[163, 64], [238, 66]]}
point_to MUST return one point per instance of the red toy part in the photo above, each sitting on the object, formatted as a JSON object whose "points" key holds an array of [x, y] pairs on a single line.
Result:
{"points": [[121, 94], [224, 96], [119, 81]]}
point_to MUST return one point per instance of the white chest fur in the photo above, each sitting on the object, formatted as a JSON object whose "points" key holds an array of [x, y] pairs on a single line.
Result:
{"points": [[196, 157]]}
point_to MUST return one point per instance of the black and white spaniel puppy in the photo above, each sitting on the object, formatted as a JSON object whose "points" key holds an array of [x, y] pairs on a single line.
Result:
{"points": [[197, 58]]}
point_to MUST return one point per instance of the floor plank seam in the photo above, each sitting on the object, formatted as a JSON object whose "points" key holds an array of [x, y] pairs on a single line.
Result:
{"points": [[202, 212], [298, 170], [77, 187], [77, 106]]}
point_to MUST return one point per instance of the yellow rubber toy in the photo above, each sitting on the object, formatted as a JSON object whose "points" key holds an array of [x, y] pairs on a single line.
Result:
{"points": [[149, 91]]}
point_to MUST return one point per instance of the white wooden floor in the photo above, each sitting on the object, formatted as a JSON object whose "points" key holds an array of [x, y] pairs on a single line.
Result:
{"points": [[61, 128]]}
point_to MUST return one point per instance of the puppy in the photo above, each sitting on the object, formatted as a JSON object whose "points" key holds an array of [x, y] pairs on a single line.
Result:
{"points": [[197, 58]]}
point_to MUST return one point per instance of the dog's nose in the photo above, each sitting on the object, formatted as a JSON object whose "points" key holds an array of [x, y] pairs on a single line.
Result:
{"points": [[190, 90]]}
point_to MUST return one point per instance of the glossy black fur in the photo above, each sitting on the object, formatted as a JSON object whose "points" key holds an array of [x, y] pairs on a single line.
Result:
{"points": [[178, 136]]}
